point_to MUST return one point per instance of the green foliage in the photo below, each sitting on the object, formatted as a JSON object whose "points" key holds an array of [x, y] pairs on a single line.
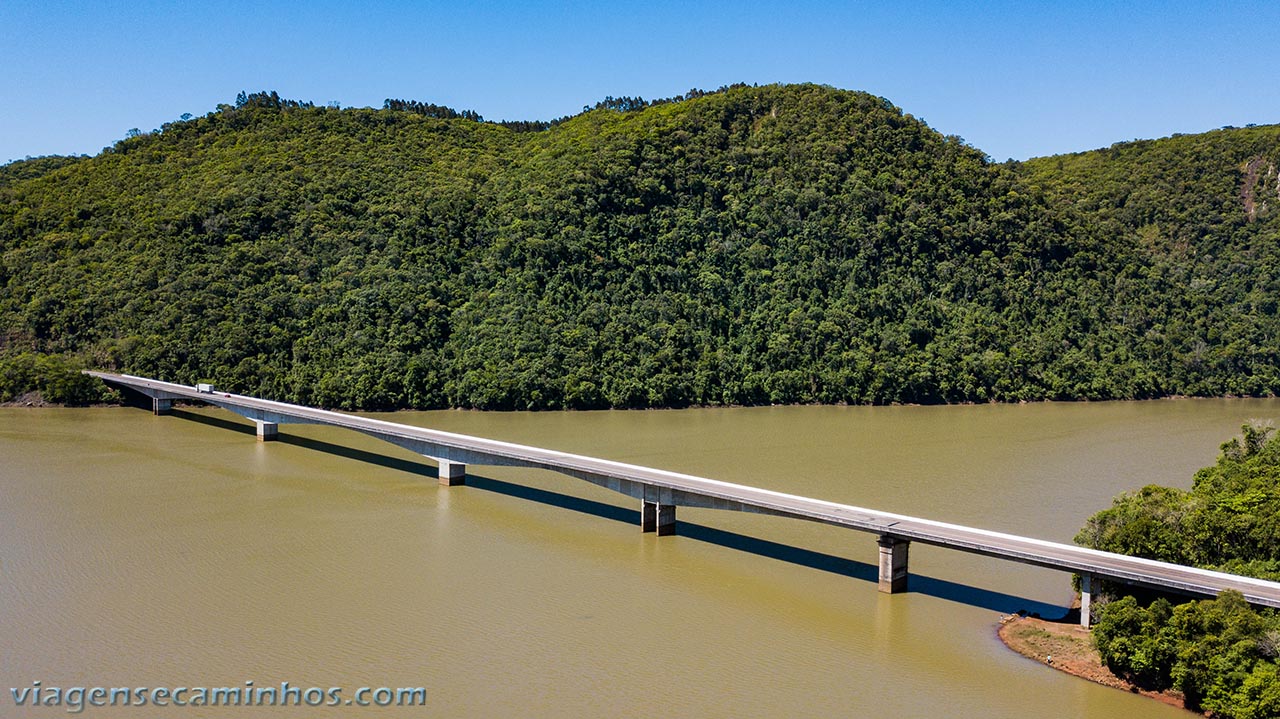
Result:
{"points": [[57, 378], [1194, 221], [752, 245], [33, 167], [1134, 642], [1221, 654], [427, 109], [1150, 523]]}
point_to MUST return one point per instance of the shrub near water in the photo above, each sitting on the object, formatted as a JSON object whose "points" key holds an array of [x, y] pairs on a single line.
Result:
{"points": [[1221, 654]]}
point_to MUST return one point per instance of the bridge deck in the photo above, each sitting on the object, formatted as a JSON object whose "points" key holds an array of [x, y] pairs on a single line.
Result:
{"points": [[674, 488]]}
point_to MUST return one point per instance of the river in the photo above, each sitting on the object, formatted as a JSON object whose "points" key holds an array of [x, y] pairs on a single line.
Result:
{"points": [[143, 551]]}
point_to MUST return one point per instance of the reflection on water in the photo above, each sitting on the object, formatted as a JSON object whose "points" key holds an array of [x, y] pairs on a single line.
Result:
{"points": [[177, 551]]}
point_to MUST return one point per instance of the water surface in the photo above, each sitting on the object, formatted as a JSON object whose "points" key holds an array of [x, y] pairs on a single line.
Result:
{"points": [[177, 551]]}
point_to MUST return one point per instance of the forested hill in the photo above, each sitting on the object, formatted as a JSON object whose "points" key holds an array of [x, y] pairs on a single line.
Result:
{"points": [[752, 245], [1197, 219]]}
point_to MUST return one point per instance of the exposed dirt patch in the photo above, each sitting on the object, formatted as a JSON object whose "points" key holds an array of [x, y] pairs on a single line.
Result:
{"points": [[29, 399], [1067, 647]]}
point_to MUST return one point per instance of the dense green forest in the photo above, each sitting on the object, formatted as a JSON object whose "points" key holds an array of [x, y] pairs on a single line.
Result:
{"points": [[1223, 655], [751, 245]]}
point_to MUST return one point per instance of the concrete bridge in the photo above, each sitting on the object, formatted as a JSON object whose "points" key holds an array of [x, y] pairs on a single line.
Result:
{"points": [[660, 492]]}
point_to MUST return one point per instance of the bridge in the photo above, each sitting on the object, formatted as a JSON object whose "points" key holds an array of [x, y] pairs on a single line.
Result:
{"points": [[661, 491]]}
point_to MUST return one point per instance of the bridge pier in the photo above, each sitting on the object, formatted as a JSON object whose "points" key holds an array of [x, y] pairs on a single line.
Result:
{"points": [[451, 474], [893, 564], [267, 431], [1086, 599], [656, 517], [661, 491]]}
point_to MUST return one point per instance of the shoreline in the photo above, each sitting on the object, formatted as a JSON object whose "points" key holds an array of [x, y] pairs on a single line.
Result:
{"points": [[34, 398], [1071, 648]]}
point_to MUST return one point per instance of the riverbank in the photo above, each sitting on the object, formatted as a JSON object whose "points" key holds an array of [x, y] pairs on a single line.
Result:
{"points": [[36, 398], [1068, 647], [33, 398]]}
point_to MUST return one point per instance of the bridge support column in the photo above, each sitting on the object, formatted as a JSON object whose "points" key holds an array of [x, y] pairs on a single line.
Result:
{"points": [[267, 431], [655, 517], [1086, 598], [452, 474], [161, 406], [893, 564]]}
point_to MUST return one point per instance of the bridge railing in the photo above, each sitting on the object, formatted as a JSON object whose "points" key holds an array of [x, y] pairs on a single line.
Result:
{"points": [[661, 491]]}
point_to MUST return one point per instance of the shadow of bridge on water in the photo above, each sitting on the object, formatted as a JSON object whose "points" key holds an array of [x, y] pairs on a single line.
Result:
{"points": [[918, 584]]}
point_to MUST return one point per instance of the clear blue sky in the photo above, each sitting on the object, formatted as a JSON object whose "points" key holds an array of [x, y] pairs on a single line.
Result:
{"points": [[1015, 79]]}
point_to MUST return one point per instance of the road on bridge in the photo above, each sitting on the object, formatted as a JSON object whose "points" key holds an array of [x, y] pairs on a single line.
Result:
{"points": [[666, 489]]}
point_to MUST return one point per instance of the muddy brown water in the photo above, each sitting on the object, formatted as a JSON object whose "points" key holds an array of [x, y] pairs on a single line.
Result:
{"points": [[142, 551]]}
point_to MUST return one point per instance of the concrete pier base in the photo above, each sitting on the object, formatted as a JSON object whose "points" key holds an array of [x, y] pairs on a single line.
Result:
{"points": [[655, 517], [1086, 598], [161, 406], [893, 564], [452, 474], [267, 431], [648, 516]]}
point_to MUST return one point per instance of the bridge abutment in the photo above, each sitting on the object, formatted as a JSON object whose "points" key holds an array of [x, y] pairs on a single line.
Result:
{"points": [[1086, 599], [451, 474], [893, 564], [657, 517]]}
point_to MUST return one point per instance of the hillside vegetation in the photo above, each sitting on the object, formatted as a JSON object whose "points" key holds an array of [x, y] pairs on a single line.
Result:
{"points": [[1194, 223], [753, 245]]}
